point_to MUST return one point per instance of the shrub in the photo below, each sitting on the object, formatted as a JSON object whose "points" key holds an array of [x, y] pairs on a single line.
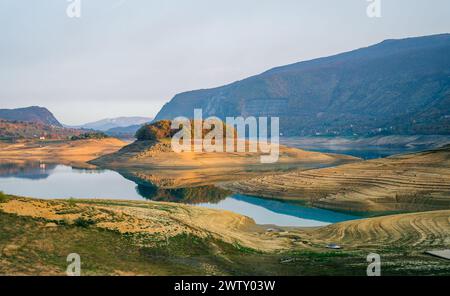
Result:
{"points": [[82, 222], [155, 131], [162, 129], [3, 197], [93, 135]]}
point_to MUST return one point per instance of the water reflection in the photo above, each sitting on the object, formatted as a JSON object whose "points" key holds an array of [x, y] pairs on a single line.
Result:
{"points": [[279, 213], [41, 180], [298, 211], [26, 170], [190, 195]]}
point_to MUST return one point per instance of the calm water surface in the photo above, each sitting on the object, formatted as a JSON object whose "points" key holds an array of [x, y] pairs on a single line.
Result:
{"points": [[59, 181]]}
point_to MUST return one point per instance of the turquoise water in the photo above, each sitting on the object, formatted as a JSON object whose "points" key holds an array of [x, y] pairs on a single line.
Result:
{"points": [[48, 181], [265, 211]]}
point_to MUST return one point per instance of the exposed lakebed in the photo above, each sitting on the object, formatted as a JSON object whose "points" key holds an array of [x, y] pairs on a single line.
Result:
{"points": [[50, 181]]}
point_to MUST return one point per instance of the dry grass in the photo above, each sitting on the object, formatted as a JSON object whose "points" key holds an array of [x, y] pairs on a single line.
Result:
{"points": [[159, 219], [149, 219], [133, 238]]}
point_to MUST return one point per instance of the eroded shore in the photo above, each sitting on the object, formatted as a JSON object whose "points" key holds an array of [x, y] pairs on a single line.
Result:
{"points": [[155, 162], [409, 182]]}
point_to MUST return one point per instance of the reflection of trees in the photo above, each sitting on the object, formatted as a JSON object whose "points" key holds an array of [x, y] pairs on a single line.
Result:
{"points": [[88, 171], [27, 170], [189, 195]]}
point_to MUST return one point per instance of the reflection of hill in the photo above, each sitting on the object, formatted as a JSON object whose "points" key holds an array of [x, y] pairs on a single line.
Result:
{"points": [[26, 170], [189, 195]]}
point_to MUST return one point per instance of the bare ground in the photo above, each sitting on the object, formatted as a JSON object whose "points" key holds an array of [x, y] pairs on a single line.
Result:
{"points": [[76, 153], [155, 162], [410, 182], [160, 219]]}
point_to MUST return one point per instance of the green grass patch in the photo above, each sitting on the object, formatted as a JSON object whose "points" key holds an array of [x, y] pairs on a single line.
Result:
{"points": [[83, 222], [319, 255], [3, 197], [245, 250]]}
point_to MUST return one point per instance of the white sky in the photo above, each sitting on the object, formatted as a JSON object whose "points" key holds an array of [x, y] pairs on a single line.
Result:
{"points": [[129, 57]]}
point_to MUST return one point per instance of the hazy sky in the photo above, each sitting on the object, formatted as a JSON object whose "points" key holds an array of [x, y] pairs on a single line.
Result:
{"points": [[129, 57]]}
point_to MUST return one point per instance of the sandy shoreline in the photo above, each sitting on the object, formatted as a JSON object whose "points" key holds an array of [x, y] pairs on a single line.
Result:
{"points": [[75, 153]]}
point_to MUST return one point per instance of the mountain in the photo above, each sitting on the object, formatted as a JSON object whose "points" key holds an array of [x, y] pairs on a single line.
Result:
{"points": [[109, 123], [14, 130], [126, 132], [394, 87], [30, 114]]}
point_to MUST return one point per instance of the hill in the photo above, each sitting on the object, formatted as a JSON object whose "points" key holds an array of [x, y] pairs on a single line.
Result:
{"points": [[16, 130], [152, 159], [394, 87], [127, 132], [119, 122], [30, 114]]}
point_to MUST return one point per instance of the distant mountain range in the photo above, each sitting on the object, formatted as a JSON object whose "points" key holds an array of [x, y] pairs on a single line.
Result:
{"points": [[34, 122], [126, 132], [30, 114], [111, 123], [394, 87]]}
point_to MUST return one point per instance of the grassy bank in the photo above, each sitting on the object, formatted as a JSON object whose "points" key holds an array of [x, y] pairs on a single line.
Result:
{"points": [[37, 243]]}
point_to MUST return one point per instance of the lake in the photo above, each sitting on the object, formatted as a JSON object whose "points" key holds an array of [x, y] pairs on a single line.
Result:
{"points": [[368, 147], [48, 181]]}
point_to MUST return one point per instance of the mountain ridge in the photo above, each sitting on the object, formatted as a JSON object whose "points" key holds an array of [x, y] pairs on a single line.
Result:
{"points": [[35, 114], [116, 122], [398, 86]]}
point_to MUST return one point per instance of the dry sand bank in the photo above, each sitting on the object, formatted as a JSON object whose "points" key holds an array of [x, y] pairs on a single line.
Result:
{"points": [[410, 182], [155, 162], [415, 230], [150, 218], [76, 153], [157, 219]]}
